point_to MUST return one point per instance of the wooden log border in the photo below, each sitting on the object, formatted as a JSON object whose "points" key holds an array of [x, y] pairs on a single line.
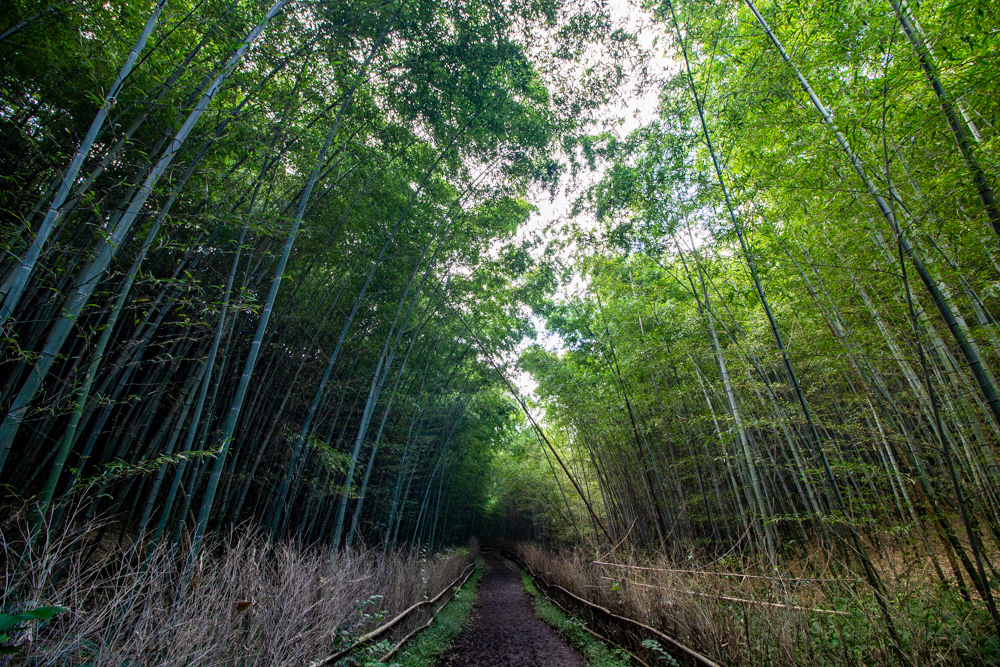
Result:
{"points": [[382, 629], [680, 652], [454, 592]]}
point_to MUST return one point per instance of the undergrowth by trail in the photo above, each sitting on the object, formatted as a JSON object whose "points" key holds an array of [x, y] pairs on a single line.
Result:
{"points": [[246, 601], [595, 652], [424, 649], [806, 617]]}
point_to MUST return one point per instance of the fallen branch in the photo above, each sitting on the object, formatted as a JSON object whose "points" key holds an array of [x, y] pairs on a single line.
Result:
{"points": [[621, 541], [732, 599], [791, 580], [381, 630]]}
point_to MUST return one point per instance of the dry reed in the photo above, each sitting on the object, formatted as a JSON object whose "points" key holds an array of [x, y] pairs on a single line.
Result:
{"points": [[243, 601], [774, 620]]}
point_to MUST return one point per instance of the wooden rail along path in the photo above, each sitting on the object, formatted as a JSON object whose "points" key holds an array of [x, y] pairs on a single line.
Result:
{"points": [[620, 630], [366, 638]]}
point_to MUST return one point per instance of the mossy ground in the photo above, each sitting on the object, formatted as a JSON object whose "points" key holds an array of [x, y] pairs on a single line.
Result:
{"points": [[595, 652]]}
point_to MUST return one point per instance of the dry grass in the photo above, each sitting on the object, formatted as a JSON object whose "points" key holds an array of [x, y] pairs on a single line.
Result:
{"points": [[244, 601], [760, 619]]}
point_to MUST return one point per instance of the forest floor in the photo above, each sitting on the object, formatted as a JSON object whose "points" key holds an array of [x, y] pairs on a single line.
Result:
{"points": [[503, 629]]}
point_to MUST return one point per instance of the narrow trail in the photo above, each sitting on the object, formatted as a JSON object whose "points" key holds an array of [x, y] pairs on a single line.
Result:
{"points": [[503, 628]]}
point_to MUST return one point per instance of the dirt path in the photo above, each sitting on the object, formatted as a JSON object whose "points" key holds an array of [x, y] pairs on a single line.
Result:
{"points": [[503, 629]]}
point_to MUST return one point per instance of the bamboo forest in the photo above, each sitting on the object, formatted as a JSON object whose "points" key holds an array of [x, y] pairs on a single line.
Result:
{"points": [[323, 322]]}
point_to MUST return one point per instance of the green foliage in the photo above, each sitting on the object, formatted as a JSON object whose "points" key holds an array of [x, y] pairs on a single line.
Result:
{"points": [[659, 651], [935, 623], [118, 470], [12, 624]]}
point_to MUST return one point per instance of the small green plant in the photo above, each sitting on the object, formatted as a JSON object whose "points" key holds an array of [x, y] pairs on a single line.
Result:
{"points": [[12, 624], [371, 653], [660, 652]]}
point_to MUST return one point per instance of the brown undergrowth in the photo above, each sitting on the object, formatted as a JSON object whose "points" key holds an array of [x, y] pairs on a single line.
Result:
{"points": [[741, 616], [243, 600]]}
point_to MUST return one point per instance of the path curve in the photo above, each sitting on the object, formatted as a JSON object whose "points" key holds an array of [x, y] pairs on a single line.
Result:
{"points": [[503, 629]]}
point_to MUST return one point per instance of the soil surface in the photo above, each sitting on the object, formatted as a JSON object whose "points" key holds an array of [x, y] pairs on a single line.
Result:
{"points": [[503, 630]]}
